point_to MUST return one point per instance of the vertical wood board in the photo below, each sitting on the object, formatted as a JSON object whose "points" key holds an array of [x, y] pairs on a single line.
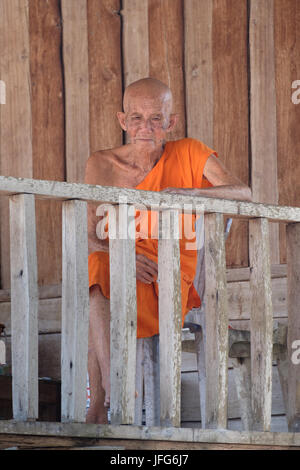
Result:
{"points": [[170, 318], [231, 107], [287, 62], [24, 307], [75, 312], [293, 276], [48, 139], [166, 61], [76, 78], [135, 40], [261, 325], [216, 310], [123, 310], [105, 73], [16, 115], [199, 69], [263, 110]]}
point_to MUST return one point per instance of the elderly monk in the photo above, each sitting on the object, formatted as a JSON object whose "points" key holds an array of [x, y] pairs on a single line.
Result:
{"points": [[147, 162]]}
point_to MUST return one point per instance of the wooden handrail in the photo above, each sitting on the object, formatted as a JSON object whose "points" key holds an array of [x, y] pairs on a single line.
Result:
{"points": [[150, 199]]}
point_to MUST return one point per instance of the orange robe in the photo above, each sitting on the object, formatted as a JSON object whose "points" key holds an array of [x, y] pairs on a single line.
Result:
{"points": [[181, 166]]}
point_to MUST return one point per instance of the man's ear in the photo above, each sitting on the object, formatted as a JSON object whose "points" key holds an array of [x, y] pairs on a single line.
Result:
{"points": [[122, 120], [172, 122]]}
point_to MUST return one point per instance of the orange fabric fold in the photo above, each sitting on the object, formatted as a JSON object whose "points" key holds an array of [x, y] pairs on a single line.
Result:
{"points": [[181, 166]]}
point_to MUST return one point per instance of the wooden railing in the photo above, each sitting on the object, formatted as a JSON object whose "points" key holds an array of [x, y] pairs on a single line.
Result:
{"points": [[75, 301]]}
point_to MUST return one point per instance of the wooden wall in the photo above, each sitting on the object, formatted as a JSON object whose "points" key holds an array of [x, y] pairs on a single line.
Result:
{"points": [[230, 64]]}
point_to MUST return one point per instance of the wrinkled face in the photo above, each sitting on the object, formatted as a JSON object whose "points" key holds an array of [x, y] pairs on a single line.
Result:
{"points": [[147, 120]]}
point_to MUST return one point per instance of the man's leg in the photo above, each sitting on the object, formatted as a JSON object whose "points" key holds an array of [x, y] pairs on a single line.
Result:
{"points": [[99, 356]]}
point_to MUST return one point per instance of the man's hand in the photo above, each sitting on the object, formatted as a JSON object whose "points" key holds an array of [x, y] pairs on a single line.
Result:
{"points": [[146, 269]]}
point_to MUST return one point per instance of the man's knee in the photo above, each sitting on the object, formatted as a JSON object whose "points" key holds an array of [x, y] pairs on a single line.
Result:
{"points": [[95, 290]]}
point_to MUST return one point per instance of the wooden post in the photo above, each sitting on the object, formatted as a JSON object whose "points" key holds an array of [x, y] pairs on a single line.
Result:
{"points": [[75, 311], [24, 307], [123, 310], [216, 322], [170, 319], [261, 324], [293, 279]]}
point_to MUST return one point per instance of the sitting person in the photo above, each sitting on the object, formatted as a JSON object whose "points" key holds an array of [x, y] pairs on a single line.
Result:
{"points": [[147, 162]]}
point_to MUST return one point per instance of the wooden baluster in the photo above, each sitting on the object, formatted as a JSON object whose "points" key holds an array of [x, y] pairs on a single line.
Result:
{"points": [[293, 280], [24, 307], [123, 309], [75, 311], [152, 380], [216, 322], [261, 324], [170, 322]]}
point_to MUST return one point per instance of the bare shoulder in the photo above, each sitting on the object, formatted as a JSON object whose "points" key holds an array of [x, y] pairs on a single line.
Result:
{"points": [[99, 166]]}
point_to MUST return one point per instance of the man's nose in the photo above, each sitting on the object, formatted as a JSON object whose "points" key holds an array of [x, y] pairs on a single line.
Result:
{"points": [[146, 124]]}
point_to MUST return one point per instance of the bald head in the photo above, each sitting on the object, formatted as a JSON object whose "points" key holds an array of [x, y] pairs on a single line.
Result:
{"points": [[148, 88], [147, 112]]}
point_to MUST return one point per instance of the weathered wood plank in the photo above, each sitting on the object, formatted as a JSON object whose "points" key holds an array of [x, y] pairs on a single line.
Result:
{"points": [[24, 307], [17, 442], [216, 310], [263, 110], [62, 190], [240, 297], [105, 79], [16, 115], [123, 309], [242, 376], [198, 69], [261, 324], [166, 62], [152, 380], [76, 78], [190, 409], [293, 268], [139, 379], [135, 40], [287, 65], [152, 433], [48, 127], [75, 311], [243, 274], [170, 320], [231, 106]]}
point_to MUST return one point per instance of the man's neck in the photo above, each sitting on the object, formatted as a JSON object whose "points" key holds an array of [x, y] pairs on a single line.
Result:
{"points": [[145, 159]]}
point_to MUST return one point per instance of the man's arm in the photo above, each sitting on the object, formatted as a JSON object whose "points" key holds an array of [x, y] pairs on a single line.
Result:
{"points": [[225, 185]]}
